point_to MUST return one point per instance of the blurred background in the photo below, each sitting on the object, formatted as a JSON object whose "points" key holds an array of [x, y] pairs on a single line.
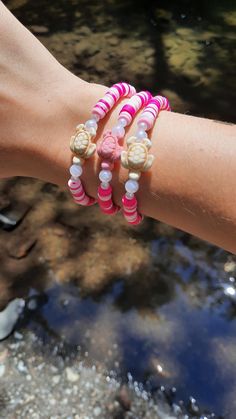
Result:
{"points": [[111, 321]]}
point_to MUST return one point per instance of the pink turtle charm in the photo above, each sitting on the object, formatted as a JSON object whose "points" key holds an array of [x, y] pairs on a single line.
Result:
{"points": [[108, 148]]}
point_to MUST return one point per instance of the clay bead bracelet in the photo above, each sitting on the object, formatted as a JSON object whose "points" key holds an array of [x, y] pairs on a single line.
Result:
{"points": [[110, 147], [81, 143], [137, 158]]}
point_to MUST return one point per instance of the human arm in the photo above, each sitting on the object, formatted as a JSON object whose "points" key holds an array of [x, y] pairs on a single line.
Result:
{"points": [[192, 182]]}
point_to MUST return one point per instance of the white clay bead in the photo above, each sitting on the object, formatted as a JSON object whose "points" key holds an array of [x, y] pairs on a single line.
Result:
{"points": [[122, 122], [105, 176], [118, 131], [77, 160], [91, 123], [131, 186], [76, 170], [141, 134], [143, 126], [134, 175]]}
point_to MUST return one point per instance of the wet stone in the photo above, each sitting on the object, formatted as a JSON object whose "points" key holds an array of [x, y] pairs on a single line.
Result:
{"points": [[13, 215], [71, 375], [124, 398], [38, 30], [21, 246], [2, 370]]}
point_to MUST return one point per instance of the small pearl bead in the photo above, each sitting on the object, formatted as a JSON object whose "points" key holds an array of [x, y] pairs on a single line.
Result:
{"points": [[105, 176], [129, 195], [105, 185], [77, 160], [95, 117], [76, 170], [131, 186], [140, 134], [134, 175], [91, 123], [118, 131], [122, 122], [142, 125]]}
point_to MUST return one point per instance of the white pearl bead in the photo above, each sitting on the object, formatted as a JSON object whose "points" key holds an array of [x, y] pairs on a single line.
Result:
{"points": [[76, 170], [142, 125], [134, 175], [91, 123], [77, 160], [105, 176], [118, 131], [131, 186], [95, 117], [141, 134], [122, 122], [129, 195]]}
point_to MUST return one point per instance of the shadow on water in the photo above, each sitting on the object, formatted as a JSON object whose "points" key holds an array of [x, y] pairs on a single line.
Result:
{"points": [[154, 302]]}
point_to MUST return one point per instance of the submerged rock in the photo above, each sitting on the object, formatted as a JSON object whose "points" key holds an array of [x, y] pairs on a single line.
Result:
{"points": [[9, 317]]}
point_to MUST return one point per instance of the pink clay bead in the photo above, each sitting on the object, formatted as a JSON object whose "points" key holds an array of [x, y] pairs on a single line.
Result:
{"points": [[135, 103], [106, 165], [112, 96], [129, 202], [105, 204], [111, 211], [105, 192]]}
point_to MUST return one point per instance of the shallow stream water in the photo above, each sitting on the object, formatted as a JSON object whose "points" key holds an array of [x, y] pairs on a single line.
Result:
{"points": [[153, 309]]}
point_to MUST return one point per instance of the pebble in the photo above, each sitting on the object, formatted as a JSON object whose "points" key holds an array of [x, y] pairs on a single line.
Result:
{"points": [[21, 366], [71, 375], [97, 411], [32, 304], [2, 370], [38, 30], [113, 41], [18, 335], [56, 379]]}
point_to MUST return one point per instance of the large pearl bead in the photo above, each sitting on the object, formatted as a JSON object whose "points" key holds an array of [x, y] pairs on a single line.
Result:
{"points": [[105, 176], [131, 186], [118, 131], [91, 123], [76, 170]]}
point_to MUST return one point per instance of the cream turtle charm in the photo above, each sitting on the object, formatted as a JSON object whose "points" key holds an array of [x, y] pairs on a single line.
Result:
{"points": [[137, 158], [81, 143]]}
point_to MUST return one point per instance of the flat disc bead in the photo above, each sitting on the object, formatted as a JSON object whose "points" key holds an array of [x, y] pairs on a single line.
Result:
{"points": [[104, 192], [129, 203]]}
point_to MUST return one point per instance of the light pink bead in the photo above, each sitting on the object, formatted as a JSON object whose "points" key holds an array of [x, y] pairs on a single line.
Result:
{"points": [[150, 113], [106, 165], [134, 104], [117, 91], [78, 193]]}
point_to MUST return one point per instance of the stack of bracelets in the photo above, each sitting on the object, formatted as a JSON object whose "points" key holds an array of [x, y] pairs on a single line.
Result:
{"points": [[135, 158]]}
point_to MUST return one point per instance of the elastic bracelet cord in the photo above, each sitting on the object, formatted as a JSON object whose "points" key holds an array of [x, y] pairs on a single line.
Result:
{"points": [[110, 147], [137, 160], [81, 143]]}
